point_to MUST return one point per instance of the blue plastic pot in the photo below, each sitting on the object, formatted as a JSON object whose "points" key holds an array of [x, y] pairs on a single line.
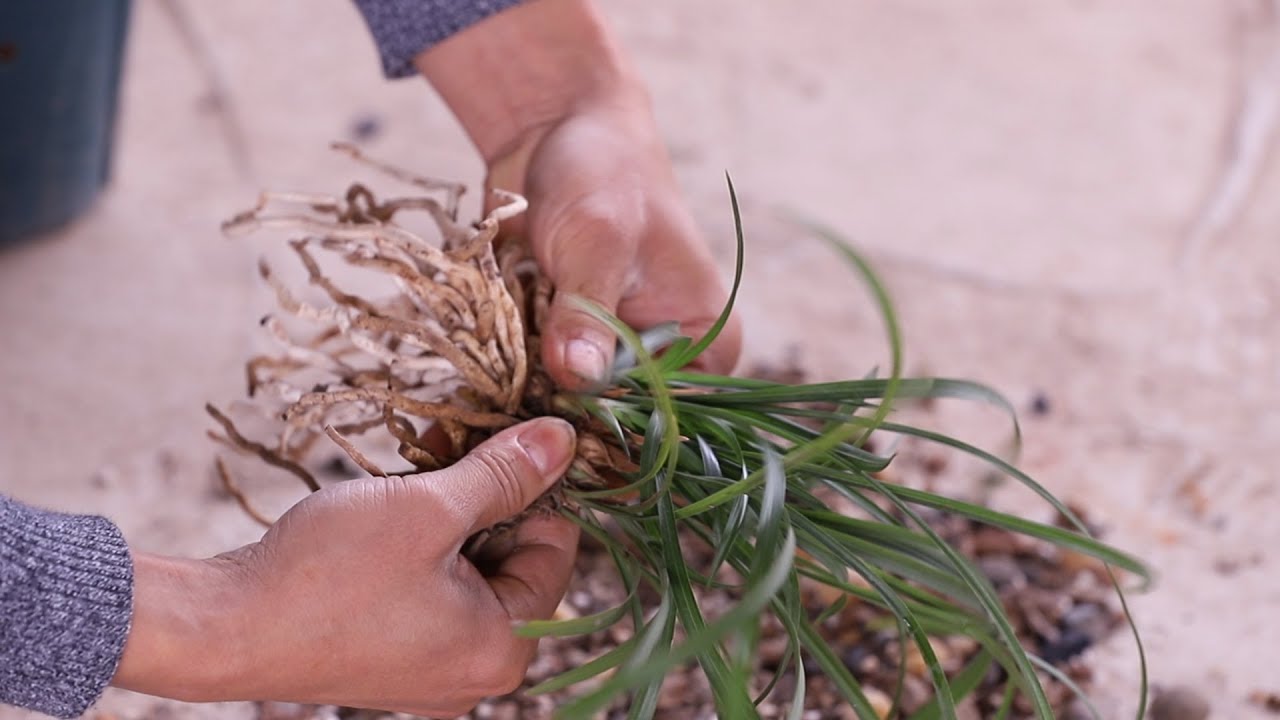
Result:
{"points": [[59, 80]]}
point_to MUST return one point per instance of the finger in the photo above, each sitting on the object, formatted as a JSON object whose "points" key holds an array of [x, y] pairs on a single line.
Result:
{"points": [[681, 282], [507, 174], [587, 247], [719, 358], [578, 349], [504, 475], [533, 578]]}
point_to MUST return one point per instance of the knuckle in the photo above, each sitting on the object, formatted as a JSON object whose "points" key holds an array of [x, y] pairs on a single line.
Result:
{"points": [[615, 216], [397, 489], [503, 667], [505, 470], [412, 498], [506, 678], [509, 681], [366, 494]]}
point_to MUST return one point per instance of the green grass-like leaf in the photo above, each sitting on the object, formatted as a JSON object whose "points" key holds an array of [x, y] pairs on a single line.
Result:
{"points": [[742, 464]]}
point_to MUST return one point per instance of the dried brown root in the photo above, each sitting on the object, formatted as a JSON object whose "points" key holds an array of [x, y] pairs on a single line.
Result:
{"points": [[257, 365], [357, 457], [412, 447], [318, 279], [238, 495], [453, 190], [268, 455], [439, 365], [417, 408]]}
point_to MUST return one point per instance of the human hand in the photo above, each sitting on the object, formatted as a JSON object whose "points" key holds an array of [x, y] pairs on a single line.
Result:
{"points": [[359, 596], [607, 223], [559, 118]]}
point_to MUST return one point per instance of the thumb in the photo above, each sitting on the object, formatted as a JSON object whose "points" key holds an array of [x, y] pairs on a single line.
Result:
{"points": [[588, 248], [505, 474], [534, 576], [577, 348]]}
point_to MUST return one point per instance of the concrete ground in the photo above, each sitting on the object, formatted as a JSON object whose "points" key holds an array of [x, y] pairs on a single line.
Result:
{"points": [[1027, 175]]}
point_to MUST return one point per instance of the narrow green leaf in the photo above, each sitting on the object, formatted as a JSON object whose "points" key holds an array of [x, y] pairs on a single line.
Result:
{"points": [[1068, 683], [1014, 472], [982, 590], [1050, 533], [688, 356], [1006, 705], [577, 626], [710, 463], [602, 410], [797, 700], [652, 340], [753, 601], [773, 515], [677, 571], [729, 534], [586, 671], [964, 683], [835, 669]]}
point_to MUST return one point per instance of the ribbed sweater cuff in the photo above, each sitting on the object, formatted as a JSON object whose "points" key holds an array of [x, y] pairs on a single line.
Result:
{"points": [[404, 28], [66, 599]]}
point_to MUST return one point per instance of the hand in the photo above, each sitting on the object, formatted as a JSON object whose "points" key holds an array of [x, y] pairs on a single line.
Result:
{"points": [[559, 117], [607, 223], [358, 595]]}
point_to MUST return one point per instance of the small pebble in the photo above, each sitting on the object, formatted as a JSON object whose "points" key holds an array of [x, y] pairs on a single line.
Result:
{"points": [[1269, 701], [879, 701], [935, 464], [1178, 703], [1067, 645], [1089, 618], [1002, 570], [1077, 710], [771, 650], [366, 127], [1040, 404], [855, 655], [506, 711]]}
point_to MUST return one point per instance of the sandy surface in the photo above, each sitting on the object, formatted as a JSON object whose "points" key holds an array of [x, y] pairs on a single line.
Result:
{"points": [[1025, 174]]}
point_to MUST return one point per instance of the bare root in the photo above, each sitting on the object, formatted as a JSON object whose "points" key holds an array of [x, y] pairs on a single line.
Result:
{"points": [[436, 366]]}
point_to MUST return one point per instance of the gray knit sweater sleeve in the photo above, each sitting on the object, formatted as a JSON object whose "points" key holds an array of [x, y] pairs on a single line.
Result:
{"points": [[66, 599], [404, 28]]}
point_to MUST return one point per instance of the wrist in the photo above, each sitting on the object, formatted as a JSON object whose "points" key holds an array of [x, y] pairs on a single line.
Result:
{"points": [[183, 640], [517, 73]]}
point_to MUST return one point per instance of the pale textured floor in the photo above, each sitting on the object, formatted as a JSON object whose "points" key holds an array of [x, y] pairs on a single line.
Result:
{"points": [[1024, 174]]}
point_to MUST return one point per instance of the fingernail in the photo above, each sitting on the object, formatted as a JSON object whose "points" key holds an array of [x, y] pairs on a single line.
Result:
{"points": [[548, 442], [585, 358]]}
